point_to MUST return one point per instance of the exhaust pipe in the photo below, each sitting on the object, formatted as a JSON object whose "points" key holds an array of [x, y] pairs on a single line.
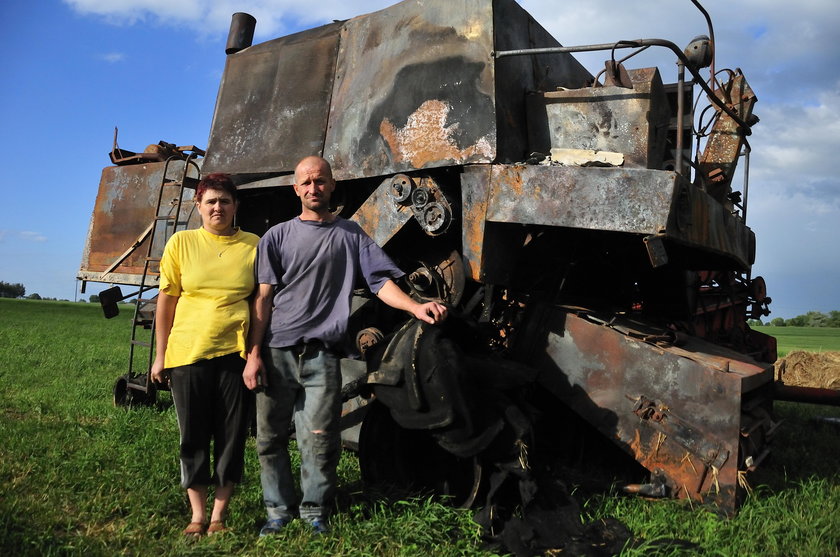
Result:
{"points": [[241, 34]]}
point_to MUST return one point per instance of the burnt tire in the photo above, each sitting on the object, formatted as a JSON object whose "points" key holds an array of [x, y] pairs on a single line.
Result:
{"points": [[397, 461]]}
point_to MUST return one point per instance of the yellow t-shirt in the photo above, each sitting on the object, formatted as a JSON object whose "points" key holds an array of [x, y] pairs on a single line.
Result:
{"points": [[213, 276]]}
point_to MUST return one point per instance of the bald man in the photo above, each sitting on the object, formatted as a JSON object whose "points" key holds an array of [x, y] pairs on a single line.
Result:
{"points": [[307, 268]]}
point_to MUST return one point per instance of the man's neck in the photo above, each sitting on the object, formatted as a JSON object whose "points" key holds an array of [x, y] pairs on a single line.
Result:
{"points": [[319, 216]]}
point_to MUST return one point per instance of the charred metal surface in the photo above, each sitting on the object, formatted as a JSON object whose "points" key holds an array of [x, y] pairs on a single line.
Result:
{"points": [[272, 109], [399, 198], [677, 410], [636, 201], [720, 157], [381, 215], [632, 121], [124, 210], [434, 101], [628, 200]]}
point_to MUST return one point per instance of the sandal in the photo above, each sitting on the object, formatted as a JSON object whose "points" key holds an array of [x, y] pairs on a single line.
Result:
{"points": [[194, 530], [217, 527]]}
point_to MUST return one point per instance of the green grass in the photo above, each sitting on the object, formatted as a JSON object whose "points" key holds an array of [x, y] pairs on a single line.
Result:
{"points": [[81, 477], [810, 339]]}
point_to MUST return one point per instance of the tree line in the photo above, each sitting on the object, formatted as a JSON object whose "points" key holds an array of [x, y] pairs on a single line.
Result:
{"points": [[810, 319], [11, 290]]}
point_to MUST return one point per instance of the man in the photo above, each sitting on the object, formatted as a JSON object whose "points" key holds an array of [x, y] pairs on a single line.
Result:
{"points": [[308, 267]]}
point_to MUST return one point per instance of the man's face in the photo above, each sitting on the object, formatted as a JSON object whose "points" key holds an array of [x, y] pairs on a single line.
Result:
{"points": [[314, 185]]}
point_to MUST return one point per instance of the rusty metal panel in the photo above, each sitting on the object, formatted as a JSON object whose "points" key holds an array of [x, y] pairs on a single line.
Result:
{"points": [[628, 200], [414, 88], [720, 156], [273, 104], [613, 199], [475, 190], [614, 119], [124, 210], [381, 216], [697, 220], [678, 411]]}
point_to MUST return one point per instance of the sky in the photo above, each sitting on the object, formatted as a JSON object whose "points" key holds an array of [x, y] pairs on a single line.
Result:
{"points": [[74, 69]]}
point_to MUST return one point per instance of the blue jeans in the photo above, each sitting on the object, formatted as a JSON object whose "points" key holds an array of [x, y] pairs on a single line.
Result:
{"points": [[304, 383]]}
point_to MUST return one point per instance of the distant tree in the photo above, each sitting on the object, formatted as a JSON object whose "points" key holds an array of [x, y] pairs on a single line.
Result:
{"points": [[754, 322], [34, 296], [94, 299], [834, 318], [82, 301], [11, 290], [816, 319], [777, 322], [798, 321]]}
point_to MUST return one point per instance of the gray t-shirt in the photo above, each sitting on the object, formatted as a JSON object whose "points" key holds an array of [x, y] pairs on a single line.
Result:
{"points": [[314, 268]]}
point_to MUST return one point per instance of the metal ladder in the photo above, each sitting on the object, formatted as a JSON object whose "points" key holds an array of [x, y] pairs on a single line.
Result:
{"points": [[136, 387]]}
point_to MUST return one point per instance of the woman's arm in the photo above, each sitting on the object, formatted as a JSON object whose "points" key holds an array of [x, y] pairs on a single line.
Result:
{"points": [[164, 317]]}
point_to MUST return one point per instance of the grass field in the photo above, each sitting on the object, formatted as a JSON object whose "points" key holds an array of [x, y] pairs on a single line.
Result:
{"points": [[810, 339], [81, 477]]}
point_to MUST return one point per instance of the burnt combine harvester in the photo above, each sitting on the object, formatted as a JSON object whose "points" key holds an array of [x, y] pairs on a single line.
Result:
{"points": [[591, 247]]}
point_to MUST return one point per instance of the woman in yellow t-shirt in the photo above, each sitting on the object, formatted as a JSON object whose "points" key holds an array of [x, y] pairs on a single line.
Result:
{"points": [[206, 279]]}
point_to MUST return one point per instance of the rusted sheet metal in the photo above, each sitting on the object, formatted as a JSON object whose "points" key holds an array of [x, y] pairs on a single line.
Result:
{"points": [[720, 156], [627, 199], [273, 104], [414, 89], [396, 200], [408, 87], [475, 191], [697, 220], [678, 411], [124, 209], [381, 215], [614, 119]]}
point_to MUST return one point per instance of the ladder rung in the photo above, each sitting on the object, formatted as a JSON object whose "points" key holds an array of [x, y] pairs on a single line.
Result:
{"points": [[147, 300], [153, 259], [141, 343], [166, 217], [172, 183]]}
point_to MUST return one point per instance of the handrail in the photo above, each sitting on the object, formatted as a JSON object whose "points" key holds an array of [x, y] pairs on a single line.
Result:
{"points": [[637, 43]]}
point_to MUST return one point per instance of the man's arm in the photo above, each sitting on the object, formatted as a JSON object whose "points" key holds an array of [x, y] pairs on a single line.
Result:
{"points": [[254, 373], [164, 317], [430, 312]]}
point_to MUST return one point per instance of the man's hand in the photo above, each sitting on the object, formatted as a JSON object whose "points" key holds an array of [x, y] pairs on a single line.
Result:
{"points": [[430, 312], [254, 373]]}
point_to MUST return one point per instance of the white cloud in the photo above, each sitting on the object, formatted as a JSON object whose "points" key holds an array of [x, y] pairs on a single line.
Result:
{"points": [[274, 17], [113, 57], [29, 236]]}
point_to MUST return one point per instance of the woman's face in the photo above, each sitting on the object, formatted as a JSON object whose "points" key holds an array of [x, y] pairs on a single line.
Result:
{"points": [[217, 209]]}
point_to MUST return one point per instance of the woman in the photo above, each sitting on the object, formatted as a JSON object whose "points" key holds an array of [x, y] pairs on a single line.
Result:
{"points": [[206, 278]]}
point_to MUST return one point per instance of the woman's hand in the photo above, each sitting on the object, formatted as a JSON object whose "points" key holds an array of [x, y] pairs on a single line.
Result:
{"points": [[158, 373]]}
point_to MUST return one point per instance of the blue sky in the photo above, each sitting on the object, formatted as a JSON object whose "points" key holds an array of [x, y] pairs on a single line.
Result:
{"points": [[74, 69]]}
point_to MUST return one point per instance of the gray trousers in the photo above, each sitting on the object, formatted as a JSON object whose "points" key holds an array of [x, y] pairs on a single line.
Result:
{"points": [[304, 384]]}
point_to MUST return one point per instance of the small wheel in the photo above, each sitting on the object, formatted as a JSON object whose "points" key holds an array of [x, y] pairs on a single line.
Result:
{"points": [[121, 394]]}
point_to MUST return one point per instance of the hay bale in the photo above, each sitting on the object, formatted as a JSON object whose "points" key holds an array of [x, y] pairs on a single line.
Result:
{"points": [[810, 369]]}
